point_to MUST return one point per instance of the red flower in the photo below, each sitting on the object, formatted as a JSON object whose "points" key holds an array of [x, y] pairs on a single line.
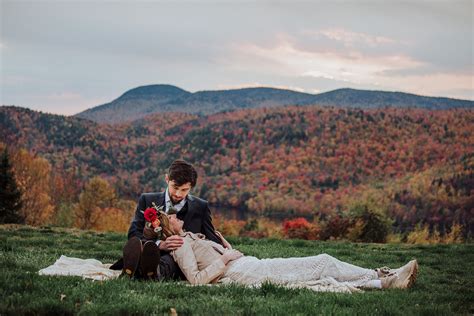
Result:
{"points": [[150, 214]]}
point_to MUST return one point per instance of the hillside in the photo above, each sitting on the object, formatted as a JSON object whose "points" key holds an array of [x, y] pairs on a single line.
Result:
{"points": [[293, 160], [142, 101]]}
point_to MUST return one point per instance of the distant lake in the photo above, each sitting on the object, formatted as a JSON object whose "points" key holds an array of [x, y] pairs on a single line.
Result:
{"points": [[229, 213], [240, 214]]}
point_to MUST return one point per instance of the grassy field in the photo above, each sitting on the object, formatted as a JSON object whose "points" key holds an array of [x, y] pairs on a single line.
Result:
{"points": [[444, 286]]}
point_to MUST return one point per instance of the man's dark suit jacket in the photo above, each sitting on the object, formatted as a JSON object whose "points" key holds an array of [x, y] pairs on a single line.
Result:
{"points": [[195, 214]]}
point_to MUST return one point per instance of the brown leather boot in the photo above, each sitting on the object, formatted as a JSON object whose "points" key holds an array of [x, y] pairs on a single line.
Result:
{"points": [[132, 252], [150, 260]]}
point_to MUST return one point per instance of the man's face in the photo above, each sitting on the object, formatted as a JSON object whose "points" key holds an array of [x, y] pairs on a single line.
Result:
{"points": [[177, 193]]}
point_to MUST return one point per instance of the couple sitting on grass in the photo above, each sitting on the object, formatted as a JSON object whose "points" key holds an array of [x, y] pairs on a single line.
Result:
{"points": [[172, 237]]}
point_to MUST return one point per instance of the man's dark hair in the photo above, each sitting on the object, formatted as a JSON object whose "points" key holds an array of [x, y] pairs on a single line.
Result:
{"points": [[182, 172]]}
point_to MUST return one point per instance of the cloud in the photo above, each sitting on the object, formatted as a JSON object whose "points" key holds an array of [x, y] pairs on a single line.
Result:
{"points": [[64, 97], [99, 49], [69, 103], [388, 71], [459, 93], [347, 65], [435, 84], [350, 38], [64, 103], [14, 80]]}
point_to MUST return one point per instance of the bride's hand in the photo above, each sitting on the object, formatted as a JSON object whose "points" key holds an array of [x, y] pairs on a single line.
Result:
{"points": [[231, 255]]}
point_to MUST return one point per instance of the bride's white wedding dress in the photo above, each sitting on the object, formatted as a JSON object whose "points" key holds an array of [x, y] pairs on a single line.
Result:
{"points": [[200, 261], [320, 273]]}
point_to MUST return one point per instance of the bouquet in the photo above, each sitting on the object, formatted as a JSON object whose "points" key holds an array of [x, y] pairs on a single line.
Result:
{"points": [[151, 219]]}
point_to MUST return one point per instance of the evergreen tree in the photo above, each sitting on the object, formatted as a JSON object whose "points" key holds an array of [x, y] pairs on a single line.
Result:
{"points": [[10, 196]]}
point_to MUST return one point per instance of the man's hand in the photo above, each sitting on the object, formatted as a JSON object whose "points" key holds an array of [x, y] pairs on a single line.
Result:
{"points": [[171, 243], [230, 255]]}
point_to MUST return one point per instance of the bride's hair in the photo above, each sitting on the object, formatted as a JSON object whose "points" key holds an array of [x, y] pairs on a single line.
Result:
{"points": [[165, 226]]}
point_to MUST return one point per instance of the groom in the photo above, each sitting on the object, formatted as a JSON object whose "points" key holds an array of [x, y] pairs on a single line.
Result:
{"points": [[195, 213]]}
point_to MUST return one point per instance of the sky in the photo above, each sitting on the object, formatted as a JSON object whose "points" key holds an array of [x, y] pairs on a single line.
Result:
{"points": [[67, 56]]}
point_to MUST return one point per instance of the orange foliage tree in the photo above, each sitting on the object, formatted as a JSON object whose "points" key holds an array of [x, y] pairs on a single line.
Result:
{"points": [[99, 208], [113, 219], [33, 178], [97, 196]]}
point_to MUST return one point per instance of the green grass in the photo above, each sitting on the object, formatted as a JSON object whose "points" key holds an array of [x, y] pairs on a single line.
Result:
{"points": [[444, 287]]}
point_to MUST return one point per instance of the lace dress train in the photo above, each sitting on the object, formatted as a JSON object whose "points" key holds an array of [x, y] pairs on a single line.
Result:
{"points": [[319, 273]]}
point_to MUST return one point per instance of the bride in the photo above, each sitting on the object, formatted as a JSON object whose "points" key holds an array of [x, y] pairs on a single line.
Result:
{"points": [[203, 261]]}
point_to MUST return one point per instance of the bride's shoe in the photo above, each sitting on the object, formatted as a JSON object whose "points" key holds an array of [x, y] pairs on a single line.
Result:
{"points": [[383, 271], [414, 266], [401, 278]]}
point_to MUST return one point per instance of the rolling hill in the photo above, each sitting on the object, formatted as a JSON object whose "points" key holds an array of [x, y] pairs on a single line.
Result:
{"points": [[142, 101], [287, 160]]}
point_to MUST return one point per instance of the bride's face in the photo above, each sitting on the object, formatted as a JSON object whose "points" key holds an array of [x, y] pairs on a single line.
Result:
{"points": [[176, 224]]}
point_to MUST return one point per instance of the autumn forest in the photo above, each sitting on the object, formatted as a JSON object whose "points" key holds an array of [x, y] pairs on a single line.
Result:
{"points": [[324, 172]]}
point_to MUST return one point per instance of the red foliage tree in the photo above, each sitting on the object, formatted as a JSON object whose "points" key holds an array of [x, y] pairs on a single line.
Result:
{"points": [[300, 228]]}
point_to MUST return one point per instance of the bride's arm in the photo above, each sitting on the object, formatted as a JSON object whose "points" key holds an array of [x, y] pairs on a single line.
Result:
{"points": [[225, 243], [186, 260]]}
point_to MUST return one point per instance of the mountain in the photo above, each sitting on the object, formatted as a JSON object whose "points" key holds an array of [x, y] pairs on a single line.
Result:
{"points": [[142, 101], [379, 99], [136, 103]]}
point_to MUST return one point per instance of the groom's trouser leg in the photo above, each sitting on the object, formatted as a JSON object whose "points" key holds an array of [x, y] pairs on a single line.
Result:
{"points": [[168, 268]]}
